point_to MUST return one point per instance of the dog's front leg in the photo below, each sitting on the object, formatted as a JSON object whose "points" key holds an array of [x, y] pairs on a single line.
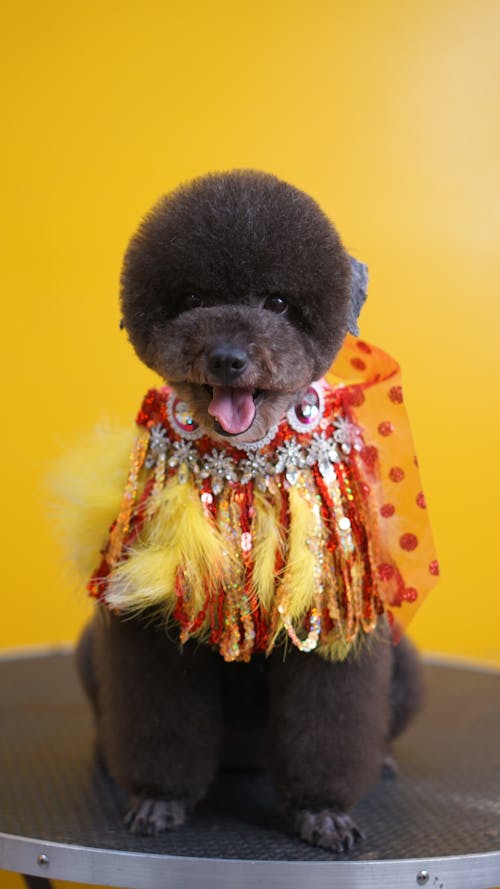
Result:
{"points": [[329, 729], [158, 714]]}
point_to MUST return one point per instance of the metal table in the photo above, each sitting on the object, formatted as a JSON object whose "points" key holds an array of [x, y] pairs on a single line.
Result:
{"points": [[437, 825]]}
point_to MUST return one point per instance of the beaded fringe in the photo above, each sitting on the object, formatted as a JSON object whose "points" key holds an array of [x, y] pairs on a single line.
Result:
{"points": [[244, 568]]}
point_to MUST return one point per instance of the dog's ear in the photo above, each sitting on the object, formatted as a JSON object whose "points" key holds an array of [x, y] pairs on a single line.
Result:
{"points": [[359, 284]]}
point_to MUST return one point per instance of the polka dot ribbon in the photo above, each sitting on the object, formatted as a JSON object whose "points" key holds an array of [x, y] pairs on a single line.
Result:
{"points": [[372, 383]]}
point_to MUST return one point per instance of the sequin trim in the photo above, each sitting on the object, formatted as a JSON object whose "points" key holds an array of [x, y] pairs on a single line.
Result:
{"points": [[335, 513]]}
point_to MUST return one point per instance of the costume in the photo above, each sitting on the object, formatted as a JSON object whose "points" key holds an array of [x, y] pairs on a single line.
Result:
{"points": [[307, 536]]}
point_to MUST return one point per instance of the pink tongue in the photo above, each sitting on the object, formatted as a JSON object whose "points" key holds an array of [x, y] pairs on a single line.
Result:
{"points": [[233, 408]]}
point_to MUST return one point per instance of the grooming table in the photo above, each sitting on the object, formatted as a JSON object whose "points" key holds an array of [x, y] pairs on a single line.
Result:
{"points": [[437, 825]]}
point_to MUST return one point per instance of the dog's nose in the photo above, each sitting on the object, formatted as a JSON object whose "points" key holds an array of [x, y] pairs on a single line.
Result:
{"points": [[227, 363]]}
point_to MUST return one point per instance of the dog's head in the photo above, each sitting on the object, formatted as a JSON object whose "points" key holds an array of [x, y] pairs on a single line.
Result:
{"points": [[236, 289]]}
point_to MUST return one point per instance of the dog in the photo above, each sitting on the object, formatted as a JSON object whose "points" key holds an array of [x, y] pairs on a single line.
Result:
{"points": [[237, 291]]}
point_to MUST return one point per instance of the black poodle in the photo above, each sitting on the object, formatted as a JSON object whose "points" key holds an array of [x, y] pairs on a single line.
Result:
{"points": [[237, 290]]}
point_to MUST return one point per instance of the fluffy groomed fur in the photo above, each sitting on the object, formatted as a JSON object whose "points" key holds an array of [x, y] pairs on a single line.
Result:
{"points": [[236, 290], [207, 270]]}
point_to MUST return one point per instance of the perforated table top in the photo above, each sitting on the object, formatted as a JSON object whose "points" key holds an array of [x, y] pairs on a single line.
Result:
{"points": [[438, 824]]}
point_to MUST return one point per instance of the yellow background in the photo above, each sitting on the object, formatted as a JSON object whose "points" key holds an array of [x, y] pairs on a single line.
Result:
{"points": [[386, 112]]}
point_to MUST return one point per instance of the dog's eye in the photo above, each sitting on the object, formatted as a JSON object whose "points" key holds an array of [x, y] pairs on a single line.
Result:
{"points": [[191, 301], [276, 304]]}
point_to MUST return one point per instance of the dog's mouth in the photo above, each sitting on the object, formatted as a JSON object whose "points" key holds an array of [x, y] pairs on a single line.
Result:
{"points": [[233, 408]]}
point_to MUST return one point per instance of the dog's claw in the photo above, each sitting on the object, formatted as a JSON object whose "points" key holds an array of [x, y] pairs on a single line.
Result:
{"points": [[329, 829], [148, 817]]}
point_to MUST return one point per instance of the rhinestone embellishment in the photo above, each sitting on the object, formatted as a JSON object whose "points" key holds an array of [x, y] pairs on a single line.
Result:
{"points": [[308, 413], [181, 419]]}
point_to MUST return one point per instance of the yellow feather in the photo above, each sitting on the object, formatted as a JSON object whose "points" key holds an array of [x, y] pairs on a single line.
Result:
{"points": [[268, 540], [86, 488], [341, 648], [143, 581], [298, 578], [178, 538]]}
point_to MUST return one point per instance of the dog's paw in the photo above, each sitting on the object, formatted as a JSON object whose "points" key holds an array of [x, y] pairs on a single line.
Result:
{"points": [[327, 828], [149, 817]]}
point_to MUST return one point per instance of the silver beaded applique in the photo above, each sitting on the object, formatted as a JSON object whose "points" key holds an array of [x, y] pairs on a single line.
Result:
{"points": [[288, 459], [219, 467], [347, 435]]}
